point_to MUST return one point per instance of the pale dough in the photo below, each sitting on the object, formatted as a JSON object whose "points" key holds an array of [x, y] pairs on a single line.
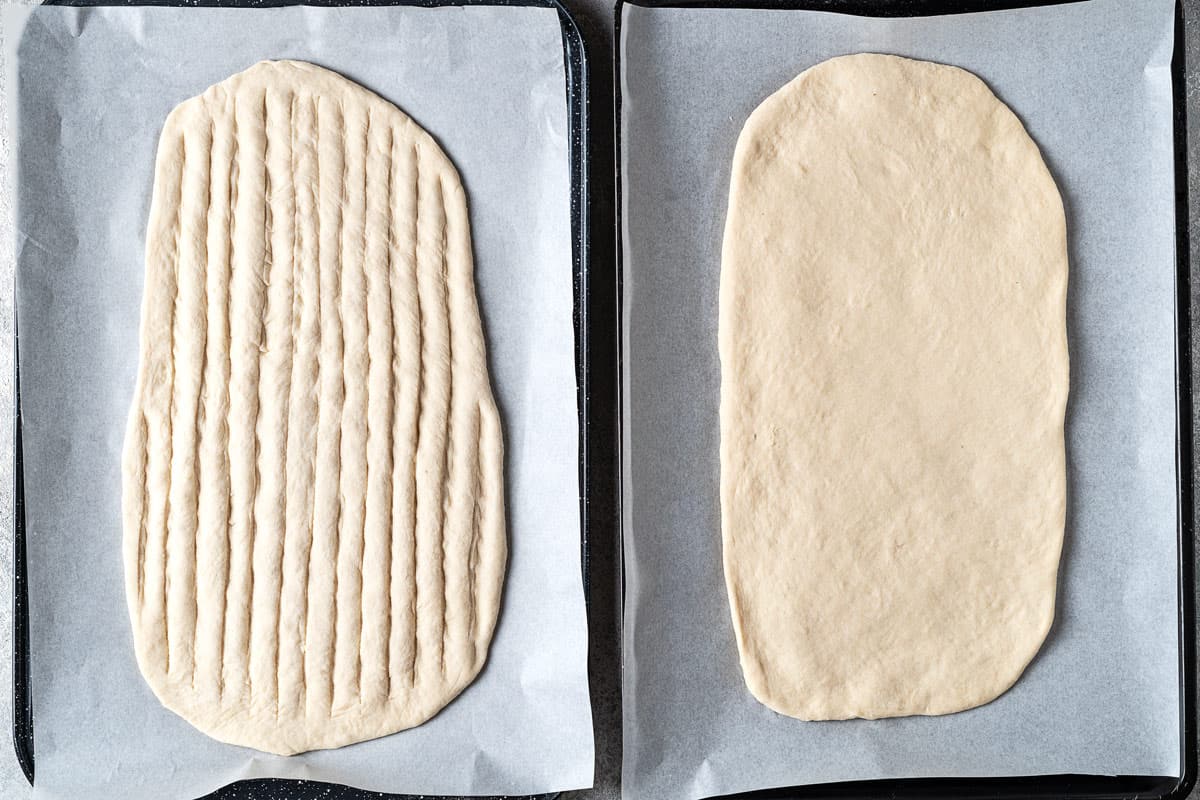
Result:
{"points": [[893, 388], [313, 502]]}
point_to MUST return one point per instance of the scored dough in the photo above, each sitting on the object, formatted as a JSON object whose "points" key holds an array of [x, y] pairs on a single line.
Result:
{"points": [[313, 503], [893, 388]]}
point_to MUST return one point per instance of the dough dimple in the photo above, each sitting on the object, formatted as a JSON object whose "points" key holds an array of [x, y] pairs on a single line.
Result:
{"points": [[893, 387], [313, 498]]}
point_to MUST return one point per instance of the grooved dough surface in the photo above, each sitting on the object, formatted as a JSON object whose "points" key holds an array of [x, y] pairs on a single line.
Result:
{"points": [[313, 499], [893, 387]]}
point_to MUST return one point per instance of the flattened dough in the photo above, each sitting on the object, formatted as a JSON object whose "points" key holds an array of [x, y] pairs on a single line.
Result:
{"points": [[313, 503], [893, 386]]}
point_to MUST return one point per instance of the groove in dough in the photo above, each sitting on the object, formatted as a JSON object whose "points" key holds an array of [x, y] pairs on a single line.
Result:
{"points": [[893, 388], [313, 501]]}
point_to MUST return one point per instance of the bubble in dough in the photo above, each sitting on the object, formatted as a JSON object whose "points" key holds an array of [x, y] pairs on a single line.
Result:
{"points": [[893, 388], [314, 536]]}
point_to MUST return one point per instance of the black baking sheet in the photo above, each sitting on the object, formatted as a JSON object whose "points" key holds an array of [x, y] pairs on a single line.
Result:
{"points": [[577, 130], [1040, 786]]}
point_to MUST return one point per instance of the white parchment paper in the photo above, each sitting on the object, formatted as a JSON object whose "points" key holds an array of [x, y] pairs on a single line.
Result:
{"points": [[94, 88], [1092, 83]]}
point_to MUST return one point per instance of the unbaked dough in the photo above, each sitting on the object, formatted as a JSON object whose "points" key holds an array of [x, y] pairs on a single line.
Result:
{"points": [[314, 534], [893, 386]]}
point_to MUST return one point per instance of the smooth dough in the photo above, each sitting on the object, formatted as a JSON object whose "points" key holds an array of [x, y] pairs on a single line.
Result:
{"points": [[313, 503], [893, 387]]}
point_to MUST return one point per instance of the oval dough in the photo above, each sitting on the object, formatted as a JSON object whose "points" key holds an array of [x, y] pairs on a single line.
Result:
{"points": [[893, 386], [313, 500]]}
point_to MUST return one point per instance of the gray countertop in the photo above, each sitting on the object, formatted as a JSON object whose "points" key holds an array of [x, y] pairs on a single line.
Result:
{"points": [[595, 18]]}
